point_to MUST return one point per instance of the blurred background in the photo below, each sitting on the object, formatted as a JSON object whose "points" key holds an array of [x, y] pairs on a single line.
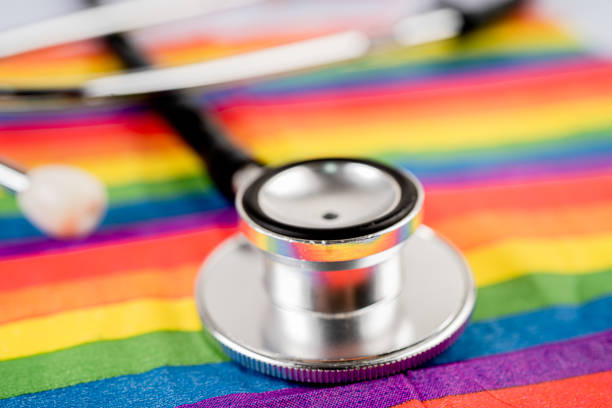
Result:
{"points": [[460, 110], [508, 127]]}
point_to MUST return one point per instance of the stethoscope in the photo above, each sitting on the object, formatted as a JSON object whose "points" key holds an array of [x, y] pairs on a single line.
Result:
{"points": [[331, 277]]}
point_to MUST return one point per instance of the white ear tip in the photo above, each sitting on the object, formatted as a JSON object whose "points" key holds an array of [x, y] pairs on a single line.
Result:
{"points": [[63, 201]]}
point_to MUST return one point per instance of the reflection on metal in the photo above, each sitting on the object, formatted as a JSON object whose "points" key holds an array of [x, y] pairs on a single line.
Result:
{"points": [[347, 328], [337, 310], [13, 178]]}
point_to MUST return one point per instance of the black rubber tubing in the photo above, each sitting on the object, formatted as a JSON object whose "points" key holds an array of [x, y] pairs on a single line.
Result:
{"points": [[198, 129]]}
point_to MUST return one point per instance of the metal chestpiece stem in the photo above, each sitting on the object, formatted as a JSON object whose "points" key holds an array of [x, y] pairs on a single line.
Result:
{"points": [[331, 280], [357, 205], [333, 287]]}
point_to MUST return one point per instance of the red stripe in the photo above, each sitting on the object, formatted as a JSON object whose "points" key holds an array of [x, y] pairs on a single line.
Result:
{"points": [[515, 89], [50, 129], [99, 290], [446, 203], [160, 253], [589, 391]]}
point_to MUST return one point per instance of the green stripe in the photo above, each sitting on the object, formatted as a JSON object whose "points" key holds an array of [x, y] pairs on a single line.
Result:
{"points": [[129, 193], [162, 189], [401, 59], [104, 359], [94, 361], [8, 204], [537, 291], [514, 149]]}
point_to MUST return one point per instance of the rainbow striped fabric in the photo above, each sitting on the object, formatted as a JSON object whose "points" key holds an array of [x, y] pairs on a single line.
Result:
{"points": [[510, 132]]}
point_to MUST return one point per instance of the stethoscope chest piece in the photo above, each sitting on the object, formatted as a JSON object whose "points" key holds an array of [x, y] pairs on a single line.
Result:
{"points": [[331, 278]]}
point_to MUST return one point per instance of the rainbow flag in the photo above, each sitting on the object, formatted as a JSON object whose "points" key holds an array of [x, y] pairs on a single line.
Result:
{"points": [[510, 132]]}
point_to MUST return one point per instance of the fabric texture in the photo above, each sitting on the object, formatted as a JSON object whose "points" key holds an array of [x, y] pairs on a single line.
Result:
{"points": [[510, 131]]}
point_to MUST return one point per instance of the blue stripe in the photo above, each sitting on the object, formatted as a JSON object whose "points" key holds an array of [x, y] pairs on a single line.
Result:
{"points": [[584, 144], [15, 227], [529, 329], [586, 150], [354, 75], [115, 108], [169, 386], [162, 387]]}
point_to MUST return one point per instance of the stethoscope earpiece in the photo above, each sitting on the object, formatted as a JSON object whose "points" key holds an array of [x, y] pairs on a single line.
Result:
{"points": [[332, 279], [60, 200], [63, 201]]}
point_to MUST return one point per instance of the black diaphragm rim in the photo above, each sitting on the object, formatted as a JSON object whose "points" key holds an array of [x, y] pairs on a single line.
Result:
{"points": [[409, 195]]}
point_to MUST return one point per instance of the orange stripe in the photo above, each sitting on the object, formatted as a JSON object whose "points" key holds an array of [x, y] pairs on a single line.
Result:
{"points": [[65, 52], [162, 253], [594, 390], [443, 203], [100, 290], [199, 48], [471, 230]]}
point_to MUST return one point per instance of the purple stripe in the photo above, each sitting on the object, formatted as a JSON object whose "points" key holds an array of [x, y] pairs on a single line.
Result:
{"points": [[549, 362], [526, 172], [221, 218], [74, 116]]}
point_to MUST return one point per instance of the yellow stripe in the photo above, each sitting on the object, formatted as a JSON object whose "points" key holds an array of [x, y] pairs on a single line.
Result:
{"points": [[116, 321], [137, 166], [512, 37], [514, 258], [453, 131], [67, 72], [520, 34]]}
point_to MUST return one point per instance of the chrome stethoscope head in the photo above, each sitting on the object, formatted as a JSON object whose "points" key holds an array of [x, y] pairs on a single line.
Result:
{"points": [[331, 278]]}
